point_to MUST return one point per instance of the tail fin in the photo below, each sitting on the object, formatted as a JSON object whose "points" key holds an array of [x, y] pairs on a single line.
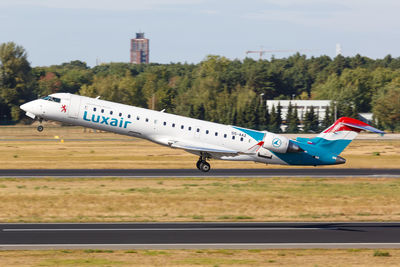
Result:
{"points": [[340, 134]]}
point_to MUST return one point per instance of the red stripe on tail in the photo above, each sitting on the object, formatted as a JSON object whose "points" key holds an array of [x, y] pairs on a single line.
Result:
{"points": [[340, 126]]}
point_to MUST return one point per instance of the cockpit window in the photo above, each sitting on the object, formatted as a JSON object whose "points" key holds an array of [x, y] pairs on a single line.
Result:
{"points": [[51, 98]]}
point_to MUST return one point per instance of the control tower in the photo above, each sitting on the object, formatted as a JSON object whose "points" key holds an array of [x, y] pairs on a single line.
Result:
{"points": [[140, 49]]}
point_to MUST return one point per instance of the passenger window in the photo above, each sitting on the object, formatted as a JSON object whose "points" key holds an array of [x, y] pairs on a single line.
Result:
{"points": [[111, 112], [241, 139], [137, 118], [120, 114], [147, 120], [182, 127], [207, 131], [224, 135], [94, 109], [102, 111], [233, 137], [165, 123], [129, 115], [190, 128], [173, 125], [216, 133], [198, 130]]}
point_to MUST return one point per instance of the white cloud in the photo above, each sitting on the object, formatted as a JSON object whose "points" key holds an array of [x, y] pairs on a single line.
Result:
{"points": [[101, 4]]}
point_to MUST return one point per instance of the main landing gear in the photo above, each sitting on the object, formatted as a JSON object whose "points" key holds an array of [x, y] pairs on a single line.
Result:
{"points": [[203, 165]]}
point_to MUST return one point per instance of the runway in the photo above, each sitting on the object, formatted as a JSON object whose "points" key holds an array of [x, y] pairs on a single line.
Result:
{"points": [[161, 173], [199, 235]]}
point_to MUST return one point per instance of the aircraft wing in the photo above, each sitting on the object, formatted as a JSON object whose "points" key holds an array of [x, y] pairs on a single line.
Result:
{"points": [[213, 151]]}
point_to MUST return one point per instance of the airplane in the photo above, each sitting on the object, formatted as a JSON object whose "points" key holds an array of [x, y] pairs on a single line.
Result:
{"points": [[208, 140]]}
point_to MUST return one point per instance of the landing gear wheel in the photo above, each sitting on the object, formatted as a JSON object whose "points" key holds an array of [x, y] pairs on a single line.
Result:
{"points": [[204, 166], [40, 128], [198, 164]]}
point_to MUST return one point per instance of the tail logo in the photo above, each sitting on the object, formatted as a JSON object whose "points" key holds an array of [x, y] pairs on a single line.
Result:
{"points": [[276, 142]]}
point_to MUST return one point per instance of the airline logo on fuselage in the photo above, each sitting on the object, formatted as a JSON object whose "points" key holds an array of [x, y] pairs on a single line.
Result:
{"points": [[276, 142], [106, 120]]}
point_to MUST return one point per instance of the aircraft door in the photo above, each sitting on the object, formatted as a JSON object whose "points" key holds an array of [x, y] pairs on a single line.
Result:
{"points": [[74, 106], [155, 125]]}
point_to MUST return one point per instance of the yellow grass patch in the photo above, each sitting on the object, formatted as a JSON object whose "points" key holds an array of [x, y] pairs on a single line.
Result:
{"points": [[255, 257], [199, 199], [75, 147]]}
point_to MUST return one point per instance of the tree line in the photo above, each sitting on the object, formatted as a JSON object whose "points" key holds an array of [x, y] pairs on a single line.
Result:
{"points": [[216, 89]]}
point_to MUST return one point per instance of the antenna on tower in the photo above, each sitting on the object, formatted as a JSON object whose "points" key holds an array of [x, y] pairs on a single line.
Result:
{"points": [[338, 49]]}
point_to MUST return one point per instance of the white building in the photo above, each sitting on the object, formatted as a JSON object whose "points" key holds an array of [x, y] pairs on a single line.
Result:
{"points": [[320, 107]]}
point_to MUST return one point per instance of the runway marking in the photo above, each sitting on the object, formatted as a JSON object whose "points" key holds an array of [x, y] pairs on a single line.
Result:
{"points": [[167, 229], [203, 245], [209, 176]]}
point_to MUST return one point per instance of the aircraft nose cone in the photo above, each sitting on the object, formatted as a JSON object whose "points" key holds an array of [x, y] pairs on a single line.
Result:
{"points": [[30, 108], [340, 160], [24, 107]]}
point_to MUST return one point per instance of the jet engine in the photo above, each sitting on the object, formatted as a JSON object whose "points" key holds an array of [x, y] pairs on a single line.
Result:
{"points": [[280, 144]]}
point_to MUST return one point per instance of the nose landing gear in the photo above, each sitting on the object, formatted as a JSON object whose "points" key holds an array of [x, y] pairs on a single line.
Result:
{"points": [[203, 165], [40, 127]]}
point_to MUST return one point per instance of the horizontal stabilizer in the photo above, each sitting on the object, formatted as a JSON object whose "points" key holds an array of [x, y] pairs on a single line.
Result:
{"points": [[350, 124], [365, 127]]}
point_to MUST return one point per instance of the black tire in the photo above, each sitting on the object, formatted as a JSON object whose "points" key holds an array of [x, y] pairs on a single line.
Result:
{"points": [[204, 166], [198, 164], [40, 128]]}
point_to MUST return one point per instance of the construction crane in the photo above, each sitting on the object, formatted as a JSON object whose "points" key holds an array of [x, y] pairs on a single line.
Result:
{"points": [[262, 52]]}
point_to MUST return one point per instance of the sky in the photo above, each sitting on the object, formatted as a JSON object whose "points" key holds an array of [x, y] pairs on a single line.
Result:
{"points": [[58, 31]]}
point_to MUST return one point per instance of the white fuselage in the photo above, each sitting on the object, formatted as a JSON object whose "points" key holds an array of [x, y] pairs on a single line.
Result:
{"points": [[156, 126]]}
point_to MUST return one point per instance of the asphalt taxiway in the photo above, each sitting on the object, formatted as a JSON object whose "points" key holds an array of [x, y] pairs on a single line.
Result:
{"points": [[199, 235], [160, 173]]}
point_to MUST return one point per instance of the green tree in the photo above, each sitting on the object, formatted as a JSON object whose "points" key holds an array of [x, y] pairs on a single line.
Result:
{"points": [[263, 116], [106, 87], [328, 118], [310, 121], [251, 114], [16, 81], [292, 119], [49, 84], [353, 88], [275, 119], [386, 106], [73, 79], [131, 92]]}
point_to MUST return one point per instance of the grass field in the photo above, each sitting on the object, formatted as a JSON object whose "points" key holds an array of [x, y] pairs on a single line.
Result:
{"points": [[254, 257], [187, 199], [199, 199], [72, 147]]}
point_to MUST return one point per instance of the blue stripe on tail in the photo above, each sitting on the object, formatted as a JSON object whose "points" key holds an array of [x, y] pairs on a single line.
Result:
{"points": [[333, 146]]}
